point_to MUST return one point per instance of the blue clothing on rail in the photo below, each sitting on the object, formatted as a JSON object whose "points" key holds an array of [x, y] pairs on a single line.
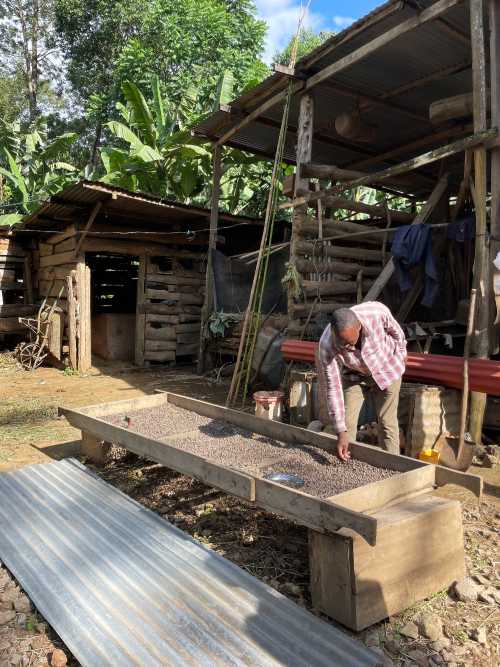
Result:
{"points": [[412, 245]]}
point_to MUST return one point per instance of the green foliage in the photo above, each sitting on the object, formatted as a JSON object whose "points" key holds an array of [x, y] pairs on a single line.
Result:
{"points": [[33, 167], [219, 322], [308, 41]]}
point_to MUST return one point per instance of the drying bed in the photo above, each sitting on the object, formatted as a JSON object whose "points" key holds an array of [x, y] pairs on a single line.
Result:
{"points": [[236, 452], [223, 443]]}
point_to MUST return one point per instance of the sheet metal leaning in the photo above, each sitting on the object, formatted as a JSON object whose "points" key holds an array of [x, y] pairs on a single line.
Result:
{"points": [[122, 586]]}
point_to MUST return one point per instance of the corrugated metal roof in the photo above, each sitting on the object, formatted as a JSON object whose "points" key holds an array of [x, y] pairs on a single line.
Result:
{"points": [[122, 586], [436, 46], [74, 203]]}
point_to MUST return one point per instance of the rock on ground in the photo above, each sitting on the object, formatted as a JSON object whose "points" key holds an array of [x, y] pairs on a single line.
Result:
{"points": [[430, 626], [58, 658], [466, 590], [410, 630]]}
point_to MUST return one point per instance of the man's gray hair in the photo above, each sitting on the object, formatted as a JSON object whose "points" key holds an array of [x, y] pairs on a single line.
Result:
{"points": [[343, 318]]}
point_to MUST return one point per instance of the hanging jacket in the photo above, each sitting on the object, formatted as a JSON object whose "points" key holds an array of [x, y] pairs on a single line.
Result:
{"points": [[412, 245]]}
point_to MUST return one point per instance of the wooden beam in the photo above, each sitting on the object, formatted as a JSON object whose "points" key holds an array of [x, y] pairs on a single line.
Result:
{"points": [[451, 108], [208, 303], [484, 138], [140, 316], [481, 272], [90, 222], [388, 270], [494, 7], [374, 210], [304, 155]]}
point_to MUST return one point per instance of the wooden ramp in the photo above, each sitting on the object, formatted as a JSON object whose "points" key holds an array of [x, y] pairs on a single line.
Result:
{"points": [[121, 586]]}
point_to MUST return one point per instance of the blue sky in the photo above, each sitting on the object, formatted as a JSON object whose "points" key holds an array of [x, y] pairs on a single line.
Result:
{"points": [[282, 17]]}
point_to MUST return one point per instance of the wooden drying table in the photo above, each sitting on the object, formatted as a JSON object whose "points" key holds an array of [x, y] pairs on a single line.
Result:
{"points": [[374, 550]]}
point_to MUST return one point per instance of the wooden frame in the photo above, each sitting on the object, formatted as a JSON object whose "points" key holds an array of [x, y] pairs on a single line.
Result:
{"points": [[320, 515]]}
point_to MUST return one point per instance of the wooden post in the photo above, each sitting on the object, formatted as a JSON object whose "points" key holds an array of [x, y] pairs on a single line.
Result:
{"points": [[481, 276], [140, 317], [28, 295], [84, 321], [208, 303], [93, 449], [305, 134], [90, 222], [73, 355], [495, 152]]}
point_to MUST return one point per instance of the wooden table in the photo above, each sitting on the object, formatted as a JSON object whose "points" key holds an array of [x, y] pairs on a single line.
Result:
{"points": [[374, 550]]}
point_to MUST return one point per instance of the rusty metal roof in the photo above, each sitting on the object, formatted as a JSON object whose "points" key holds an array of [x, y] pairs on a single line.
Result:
{"points": [[121, 586], [74, 203], [401, 76]]}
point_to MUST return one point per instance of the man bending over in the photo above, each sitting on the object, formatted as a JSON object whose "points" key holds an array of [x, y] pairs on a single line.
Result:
{"points": [[361, 352]]}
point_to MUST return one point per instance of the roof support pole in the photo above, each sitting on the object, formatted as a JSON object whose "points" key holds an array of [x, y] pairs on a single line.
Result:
{"points": [[481, 275], [495, 153], [305, 134], [209, 301]]}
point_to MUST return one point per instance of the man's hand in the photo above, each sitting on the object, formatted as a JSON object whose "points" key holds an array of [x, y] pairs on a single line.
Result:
{"points": [[343, 446]]}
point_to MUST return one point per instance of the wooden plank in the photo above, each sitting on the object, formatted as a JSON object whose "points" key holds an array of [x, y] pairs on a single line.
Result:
{"points": [[45, 249], [305, 135], [494, 22], [335, 288], [166, 453], [338, 230], [28, 279], [419, 552], [83, 324], [159, 345], [167, 319], [185, 349], [72, 326], [474, 483], [388, 270], [17, 310], [94, 449], [188, 299], [319, 249], [93, 214], [140, 317], [57, 260], [160, 333], [209, 297], [7, 276], [481, 271], [310, 511], [342, 268], [175, 279], [485, 139], [451, 108], [164, 309], [387, 491], [190, 327], [122, 406], [11, 325], [126, 247], [163, 356], [69, 232], [55, 333]]}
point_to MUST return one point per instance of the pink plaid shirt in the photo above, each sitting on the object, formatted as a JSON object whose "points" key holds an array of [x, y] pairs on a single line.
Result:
{"points": [[382, 355]]}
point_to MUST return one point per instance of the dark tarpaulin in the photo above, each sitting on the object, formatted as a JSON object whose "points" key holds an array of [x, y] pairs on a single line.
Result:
{"points": [[233, 282]]}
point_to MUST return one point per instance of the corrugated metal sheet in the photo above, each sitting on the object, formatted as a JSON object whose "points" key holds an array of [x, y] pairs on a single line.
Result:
{"points": [[121, 586], [425, 50], [75, 202]]}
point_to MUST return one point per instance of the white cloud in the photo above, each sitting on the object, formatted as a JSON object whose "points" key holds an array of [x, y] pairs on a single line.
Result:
{"points": [[282, 17], [342, 22]]}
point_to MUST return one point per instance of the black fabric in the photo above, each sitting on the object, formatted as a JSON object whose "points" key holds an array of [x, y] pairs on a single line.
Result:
{"points": [[233, 282], [462, 230], [411, 246]]}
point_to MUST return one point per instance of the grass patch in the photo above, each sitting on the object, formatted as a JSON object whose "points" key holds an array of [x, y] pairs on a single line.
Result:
{"points": [[32, 411]]}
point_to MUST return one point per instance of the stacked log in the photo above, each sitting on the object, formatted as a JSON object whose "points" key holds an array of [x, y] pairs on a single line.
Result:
{"points": [[172, 306], [335, 271], [15, 286]]}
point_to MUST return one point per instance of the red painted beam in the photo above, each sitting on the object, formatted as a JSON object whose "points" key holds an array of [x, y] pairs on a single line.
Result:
{"points": [[439, 369]]}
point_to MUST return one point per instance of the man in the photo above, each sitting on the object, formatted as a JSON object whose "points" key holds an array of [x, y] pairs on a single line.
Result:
{"points": [[369, 346]]}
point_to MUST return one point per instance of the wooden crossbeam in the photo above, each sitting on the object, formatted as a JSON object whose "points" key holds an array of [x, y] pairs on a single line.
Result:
{"points": [[484, 138], [90, 222], [422, 217]]}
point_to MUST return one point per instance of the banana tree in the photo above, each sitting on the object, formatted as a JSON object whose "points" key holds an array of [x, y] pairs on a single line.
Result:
{"points": [[34, 168], [156, 152]]}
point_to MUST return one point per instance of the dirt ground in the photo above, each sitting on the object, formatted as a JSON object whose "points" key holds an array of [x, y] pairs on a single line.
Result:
{"points": [[465, 633]]}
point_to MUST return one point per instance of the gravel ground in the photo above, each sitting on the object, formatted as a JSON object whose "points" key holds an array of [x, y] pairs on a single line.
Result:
{"points": [[220, 442]]}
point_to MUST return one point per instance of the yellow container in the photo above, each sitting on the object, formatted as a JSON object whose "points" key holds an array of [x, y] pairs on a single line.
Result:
{"points": [[429, 456]]}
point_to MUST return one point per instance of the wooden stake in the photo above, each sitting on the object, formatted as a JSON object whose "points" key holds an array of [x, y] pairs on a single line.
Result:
{"points": [[304, 155], [140, 316], [89, 224], [208, 303], [494, 6], [73, 354], [481, 275]]}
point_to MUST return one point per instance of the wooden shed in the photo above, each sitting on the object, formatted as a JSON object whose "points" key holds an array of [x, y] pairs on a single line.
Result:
{"points": [[126, 270]]}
